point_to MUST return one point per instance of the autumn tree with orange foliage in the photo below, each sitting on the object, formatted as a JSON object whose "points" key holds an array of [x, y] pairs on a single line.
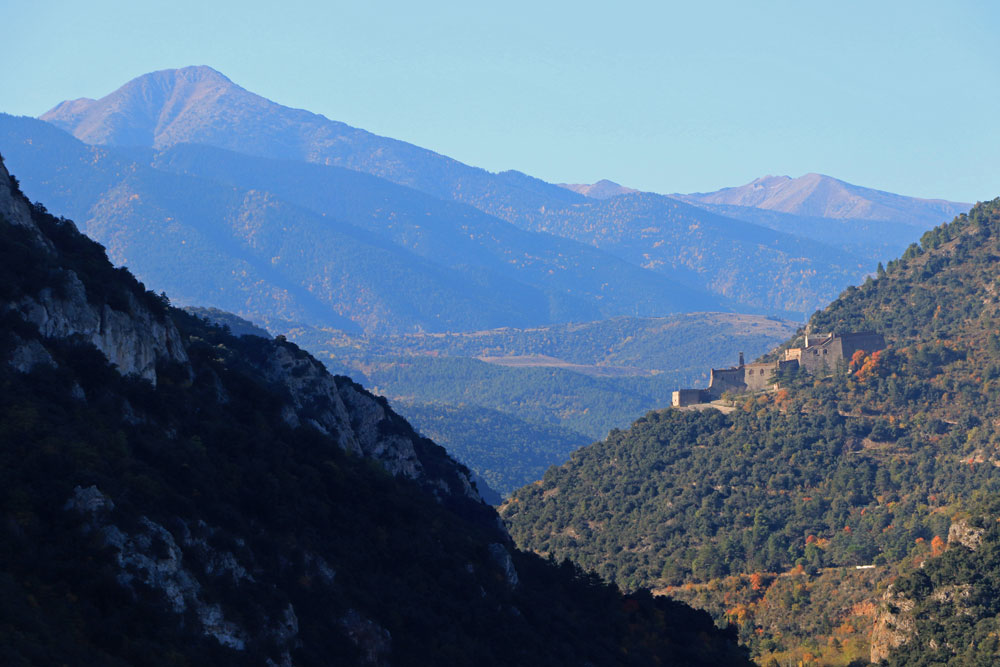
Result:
{"points": [[867, 366]]}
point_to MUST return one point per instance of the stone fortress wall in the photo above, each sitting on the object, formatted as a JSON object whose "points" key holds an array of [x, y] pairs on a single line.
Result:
{"points": [[819, 353]]}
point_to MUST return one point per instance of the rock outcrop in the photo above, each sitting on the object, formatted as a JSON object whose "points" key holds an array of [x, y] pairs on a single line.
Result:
{"points": [[894, 625], [149, 555], [134, 338], [897, 620], [361, 423], [961, 532]]}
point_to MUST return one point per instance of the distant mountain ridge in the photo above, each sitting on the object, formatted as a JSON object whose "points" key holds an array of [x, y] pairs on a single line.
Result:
{"points": [[822, 196], [324, 245], [748, 264], [199, 105]]}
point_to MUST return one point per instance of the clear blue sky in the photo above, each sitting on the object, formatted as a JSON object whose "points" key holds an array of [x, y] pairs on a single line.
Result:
{"points": [[662, 96]]}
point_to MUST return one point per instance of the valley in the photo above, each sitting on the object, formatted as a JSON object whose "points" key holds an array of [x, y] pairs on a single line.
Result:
{"points": [[279, 390]]}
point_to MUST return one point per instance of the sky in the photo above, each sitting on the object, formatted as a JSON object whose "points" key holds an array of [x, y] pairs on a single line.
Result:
{"points": [[659, 96]]}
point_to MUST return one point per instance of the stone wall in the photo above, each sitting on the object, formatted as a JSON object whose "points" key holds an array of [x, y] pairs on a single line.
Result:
{"points": [[683, 397], [726, 379]]}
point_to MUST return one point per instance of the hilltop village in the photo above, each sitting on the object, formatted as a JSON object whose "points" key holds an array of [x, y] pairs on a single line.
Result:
{"points": [[819, 352]]}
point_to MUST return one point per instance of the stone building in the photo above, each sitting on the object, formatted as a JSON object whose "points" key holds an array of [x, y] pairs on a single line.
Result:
{"points": [[820, 353]]}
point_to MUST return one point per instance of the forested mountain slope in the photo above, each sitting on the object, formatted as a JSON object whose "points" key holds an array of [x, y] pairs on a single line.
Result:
{"points": [[864, 466], [750, 264], [947, 610], [173, 495]]}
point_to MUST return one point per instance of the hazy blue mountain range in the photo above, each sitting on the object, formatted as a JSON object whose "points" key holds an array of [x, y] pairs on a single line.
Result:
{"points": [[869, 240], [819, 196], [199, 105], [758, 268], [323, 245], [870, 223]]}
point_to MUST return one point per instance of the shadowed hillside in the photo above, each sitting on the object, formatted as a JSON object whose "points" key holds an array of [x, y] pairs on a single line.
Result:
{"points": [[177, 495]]}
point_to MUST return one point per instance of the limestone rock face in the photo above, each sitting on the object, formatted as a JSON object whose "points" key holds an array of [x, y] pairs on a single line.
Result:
{"points": [[960, 532], [134, 340], [501, 556], [175, 565], [362, 423], [894, 625], [29, 354], [374, 641], [12, 207]]}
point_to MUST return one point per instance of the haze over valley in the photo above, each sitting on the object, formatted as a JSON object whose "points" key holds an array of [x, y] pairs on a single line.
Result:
{"points": [[306, 225]]}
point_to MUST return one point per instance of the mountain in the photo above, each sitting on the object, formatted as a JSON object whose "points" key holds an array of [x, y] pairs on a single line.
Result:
{"points": [[507, 451], [198, 105], [819, 196], [764, 270], [602, 189], [174, 494], [755, 267], [869, 224], [323, 245], [863, 466]]}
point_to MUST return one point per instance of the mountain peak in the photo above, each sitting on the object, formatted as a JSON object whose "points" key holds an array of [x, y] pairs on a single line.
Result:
{"points": [[821, 196], [602, 189], [154, 109]]}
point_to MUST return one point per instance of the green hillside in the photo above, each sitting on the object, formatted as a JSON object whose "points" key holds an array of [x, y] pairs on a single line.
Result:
{"points": [[508, 452], [947, 610], [864, 466]]}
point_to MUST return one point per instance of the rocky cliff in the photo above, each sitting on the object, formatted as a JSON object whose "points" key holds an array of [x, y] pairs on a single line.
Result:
{"points": [[130, 335], [928, 611], [136, 338]]}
